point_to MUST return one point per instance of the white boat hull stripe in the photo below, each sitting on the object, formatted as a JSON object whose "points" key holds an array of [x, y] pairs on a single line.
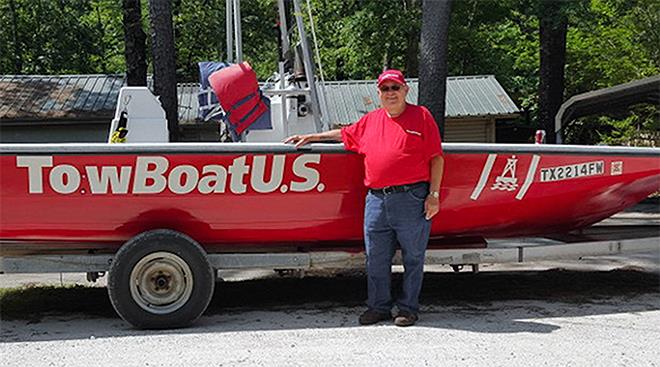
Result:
{"points": [[485, 174], [531, 172]]}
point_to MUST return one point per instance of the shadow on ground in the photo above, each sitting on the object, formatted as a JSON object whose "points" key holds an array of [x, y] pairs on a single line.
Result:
{"points": [[500, 302]]}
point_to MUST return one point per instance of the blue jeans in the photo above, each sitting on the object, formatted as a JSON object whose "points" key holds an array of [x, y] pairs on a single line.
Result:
{"points": [[388, 219]]}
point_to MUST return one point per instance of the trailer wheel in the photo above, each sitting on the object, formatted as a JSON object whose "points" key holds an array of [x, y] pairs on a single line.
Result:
{"points": [[160, 279]]}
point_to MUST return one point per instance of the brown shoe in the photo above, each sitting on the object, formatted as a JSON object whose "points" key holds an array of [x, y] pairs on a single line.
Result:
{"points": [[405, 319], [370, 317]]}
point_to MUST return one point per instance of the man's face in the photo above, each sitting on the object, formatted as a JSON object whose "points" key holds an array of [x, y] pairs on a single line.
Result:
{"points": [[392, 95]]}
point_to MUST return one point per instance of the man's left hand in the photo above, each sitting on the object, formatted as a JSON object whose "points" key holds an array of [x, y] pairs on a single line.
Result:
{"points": [[431, 207]]}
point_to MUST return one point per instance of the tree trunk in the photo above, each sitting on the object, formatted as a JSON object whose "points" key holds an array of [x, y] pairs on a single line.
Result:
{"points": [[553, 26], [135, 49], [387, 58], [412, 49], [101, 29], [433, 58], [412, 54], [18, 60], [162, 39]]}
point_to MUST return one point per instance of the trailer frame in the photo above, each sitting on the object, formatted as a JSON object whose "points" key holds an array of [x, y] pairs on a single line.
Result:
{"points": [[521, 252]]}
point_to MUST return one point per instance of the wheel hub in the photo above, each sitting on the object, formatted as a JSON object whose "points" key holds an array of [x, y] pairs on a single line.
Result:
{"points": [[161, 282]]}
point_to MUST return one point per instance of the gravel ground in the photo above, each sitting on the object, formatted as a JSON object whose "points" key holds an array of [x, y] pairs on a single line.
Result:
{"points": [[601, 311], [613, 332], [514, 318]]}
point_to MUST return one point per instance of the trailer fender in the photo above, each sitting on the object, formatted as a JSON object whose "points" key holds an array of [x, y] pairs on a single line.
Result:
{"points": [[160, 279]]}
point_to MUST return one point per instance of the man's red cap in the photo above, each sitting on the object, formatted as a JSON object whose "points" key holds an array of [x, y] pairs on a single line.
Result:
{"points": [[392, 75]]}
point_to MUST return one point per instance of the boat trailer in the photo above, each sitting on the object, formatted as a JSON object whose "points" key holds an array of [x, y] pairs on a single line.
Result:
{"points": [[593, 241]]}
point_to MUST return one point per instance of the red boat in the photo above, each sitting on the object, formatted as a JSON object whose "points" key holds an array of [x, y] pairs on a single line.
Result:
{"points": [[237, 197]]}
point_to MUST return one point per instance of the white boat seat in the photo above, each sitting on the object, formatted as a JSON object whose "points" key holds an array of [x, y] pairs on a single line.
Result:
{"points": [[146, 118]]}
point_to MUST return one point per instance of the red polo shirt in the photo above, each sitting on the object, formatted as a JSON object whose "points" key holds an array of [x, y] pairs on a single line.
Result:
{"points": [[397, 151]]}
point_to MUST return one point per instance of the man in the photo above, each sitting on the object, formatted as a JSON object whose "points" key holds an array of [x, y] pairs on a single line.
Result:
{"points": [[403, 160]]}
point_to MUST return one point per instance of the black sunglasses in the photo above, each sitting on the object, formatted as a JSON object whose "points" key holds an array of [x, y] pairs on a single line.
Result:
{"points": [[395, 88]]}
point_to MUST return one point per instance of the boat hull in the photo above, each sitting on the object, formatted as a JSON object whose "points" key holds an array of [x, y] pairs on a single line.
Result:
{"points": [[244, 196]]}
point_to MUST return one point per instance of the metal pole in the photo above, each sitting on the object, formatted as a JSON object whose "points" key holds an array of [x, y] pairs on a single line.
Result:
{"points": [[307, 61], [284, 108], [237, 31], [558, 120], [324, 103], [284, 33], [284, 28], [229, 31]]}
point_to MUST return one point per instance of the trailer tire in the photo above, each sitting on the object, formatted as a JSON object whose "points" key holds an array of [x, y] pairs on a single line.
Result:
{"points": [[160, 279]]}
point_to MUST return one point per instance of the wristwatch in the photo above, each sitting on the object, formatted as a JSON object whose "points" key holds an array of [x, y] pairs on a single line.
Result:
{"points": [[435, 194]]}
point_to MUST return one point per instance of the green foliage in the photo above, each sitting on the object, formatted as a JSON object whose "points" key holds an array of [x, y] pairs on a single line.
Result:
{"points": [[200, 35], [640, 126], [603, 49], [258, 23], [499, 38], [106, 22], [609, 42], [74, 36], [358, 38]]}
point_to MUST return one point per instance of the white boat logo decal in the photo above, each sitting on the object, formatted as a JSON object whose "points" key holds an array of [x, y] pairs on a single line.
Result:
{"points": [[507, 181], [571, 171]]}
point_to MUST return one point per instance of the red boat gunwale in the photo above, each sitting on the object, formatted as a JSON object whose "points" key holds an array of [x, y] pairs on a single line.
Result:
{"points": [[489, 190]]}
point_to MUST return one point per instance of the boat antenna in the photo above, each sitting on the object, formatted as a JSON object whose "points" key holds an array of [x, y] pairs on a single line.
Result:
{"points": [[324, 102], [233, 31], [237, 31], [284, 29], [229, 30], [308, 62]]}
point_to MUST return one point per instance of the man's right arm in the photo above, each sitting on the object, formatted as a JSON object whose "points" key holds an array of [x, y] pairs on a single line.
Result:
{"points": [[300, 140]]}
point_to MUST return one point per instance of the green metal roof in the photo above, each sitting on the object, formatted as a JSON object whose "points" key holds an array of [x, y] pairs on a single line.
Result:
{"points": [[467, 96], [37, 98], [71, 97]]}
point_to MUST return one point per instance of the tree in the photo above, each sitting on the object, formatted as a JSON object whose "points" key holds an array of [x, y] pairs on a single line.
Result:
{"points": [[412, 51], [608, 42], [163, 51], [614, 42], [357, 38], [134, 43], [553, 26], [18, 62], [433, 58]]}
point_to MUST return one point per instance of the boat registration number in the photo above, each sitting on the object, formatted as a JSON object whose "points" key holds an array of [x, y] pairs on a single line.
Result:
{"points": [[572, 171]]}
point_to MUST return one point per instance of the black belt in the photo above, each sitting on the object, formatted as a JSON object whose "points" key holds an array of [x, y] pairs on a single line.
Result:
{"points": [[398, 188]]}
